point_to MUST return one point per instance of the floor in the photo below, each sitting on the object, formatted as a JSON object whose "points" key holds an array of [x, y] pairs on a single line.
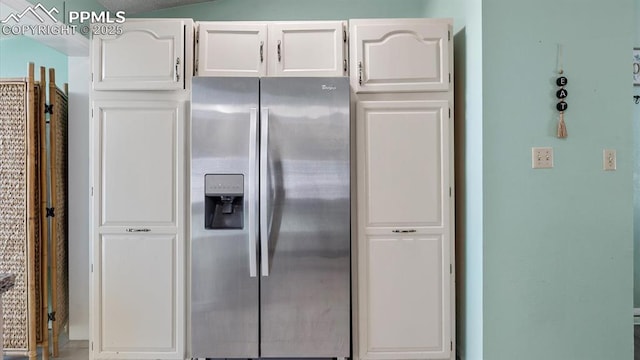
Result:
{"points": [[79, 350], [72, 350]]}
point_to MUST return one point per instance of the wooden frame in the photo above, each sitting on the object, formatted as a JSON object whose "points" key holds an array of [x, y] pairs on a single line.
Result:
{"points": [[58, 124], [23, 254], [25, 239]]}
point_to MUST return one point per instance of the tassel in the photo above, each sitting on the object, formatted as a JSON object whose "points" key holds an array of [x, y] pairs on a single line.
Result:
{"points": [[562, 127]]}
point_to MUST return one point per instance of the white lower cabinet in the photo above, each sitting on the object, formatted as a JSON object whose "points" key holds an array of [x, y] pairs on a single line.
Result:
{"points": [[406, 300], [138, 242], [405, 230], [137, 283]]}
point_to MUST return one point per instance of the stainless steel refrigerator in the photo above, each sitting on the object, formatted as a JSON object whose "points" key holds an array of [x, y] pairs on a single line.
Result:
{"points": [[270, 218]]}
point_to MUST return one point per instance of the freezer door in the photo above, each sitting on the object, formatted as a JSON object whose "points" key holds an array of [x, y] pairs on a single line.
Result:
{"points": [[305, 194], [224, 285]]}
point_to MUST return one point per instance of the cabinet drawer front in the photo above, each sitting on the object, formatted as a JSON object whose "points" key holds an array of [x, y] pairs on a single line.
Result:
{"points": [[148, 55], [138, 285], [232, 49], [138, 161], [400, 56], [403, 157], [307, 48]]}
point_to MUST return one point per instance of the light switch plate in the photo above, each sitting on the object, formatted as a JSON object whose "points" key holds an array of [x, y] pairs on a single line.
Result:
{"points": [[609, 159], [542, 157]]}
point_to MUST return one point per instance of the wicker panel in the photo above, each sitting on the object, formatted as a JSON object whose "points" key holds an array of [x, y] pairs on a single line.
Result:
{"points": [[13, 226], [60, 243]]}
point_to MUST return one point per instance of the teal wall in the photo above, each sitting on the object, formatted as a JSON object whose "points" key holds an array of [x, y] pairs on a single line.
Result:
{"points": [[294, 10], [17, 51], [558, 247], [469, 180]]}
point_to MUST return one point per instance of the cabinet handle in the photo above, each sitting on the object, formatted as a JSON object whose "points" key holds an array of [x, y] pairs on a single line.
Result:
{"points": [[360, 72], [177, 74], [279, 51], [404, 231], [138, 230], [261, 51]]}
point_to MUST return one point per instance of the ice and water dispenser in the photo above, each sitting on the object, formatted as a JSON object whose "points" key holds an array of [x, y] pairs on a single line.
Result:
{"points": [[224, 201]]}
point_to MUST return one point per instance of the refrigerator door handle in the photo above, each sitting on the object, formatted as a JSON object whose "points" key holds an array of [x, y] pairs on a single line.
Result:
{"points": [[264, 225], [253, 199]]}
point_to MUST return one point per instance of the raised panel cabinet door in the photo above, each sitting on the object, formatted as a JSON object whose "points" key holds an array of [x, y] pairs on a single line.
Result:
{"points": [[139, 290], [403, 163], [137, 163], [400, 55], [148, 55], [231, 49], [307, 48], [405, 297]]}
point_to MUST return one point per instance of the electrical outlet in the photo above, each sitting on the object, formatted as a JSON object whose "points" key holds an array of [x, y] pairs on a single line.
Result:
{"points": [[542, 157], [609, 159]]}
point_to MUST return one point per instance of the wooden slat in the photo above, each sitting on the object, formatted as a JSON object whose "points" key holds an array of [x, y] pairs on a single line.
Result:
{"points": [[43, 218], [53, 123], [31, 216]]}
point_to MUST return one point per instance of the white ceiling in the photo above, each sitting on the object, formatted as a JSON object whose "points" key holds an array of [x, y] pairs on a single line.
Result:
{"points": [[131, 7]]}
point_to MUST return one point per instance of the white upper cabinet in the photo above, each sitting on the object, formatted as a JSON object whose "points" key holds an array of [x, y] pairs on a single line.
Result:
{"points": [[305, 48], [231, 49], [147, 55], [400, 55]]}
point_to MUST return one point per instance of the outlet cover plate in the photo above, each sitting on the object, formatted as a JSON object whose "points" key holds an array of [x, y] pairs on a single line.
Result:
{"points": [[542, 157], [609, 159]]}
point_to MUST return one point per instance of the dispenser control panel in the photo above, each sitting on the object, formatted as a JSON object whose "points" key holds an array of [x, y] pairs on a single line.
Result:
{"points": [[223, 184]]}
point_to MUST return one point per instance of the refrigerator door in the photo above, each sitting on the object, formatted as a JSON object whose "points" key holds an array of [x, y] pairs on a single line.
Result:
{"points": [[224, 285], [305, 183]]}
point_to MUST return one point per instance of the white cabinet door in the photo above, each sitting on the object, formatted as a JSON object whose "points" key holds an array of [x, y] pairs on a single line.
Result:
{"points": [[137, 162], [148, 55], [407, 298], [140, 299], [404, 160], [138, 287], [404, 229], [231, 49], [307, 48], [400, 55]]}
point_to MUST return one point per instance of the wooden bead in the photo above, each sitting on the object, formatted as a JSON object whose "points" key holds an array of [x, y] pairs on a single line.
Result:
{"points": [[562, 106], [561, 94]]}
